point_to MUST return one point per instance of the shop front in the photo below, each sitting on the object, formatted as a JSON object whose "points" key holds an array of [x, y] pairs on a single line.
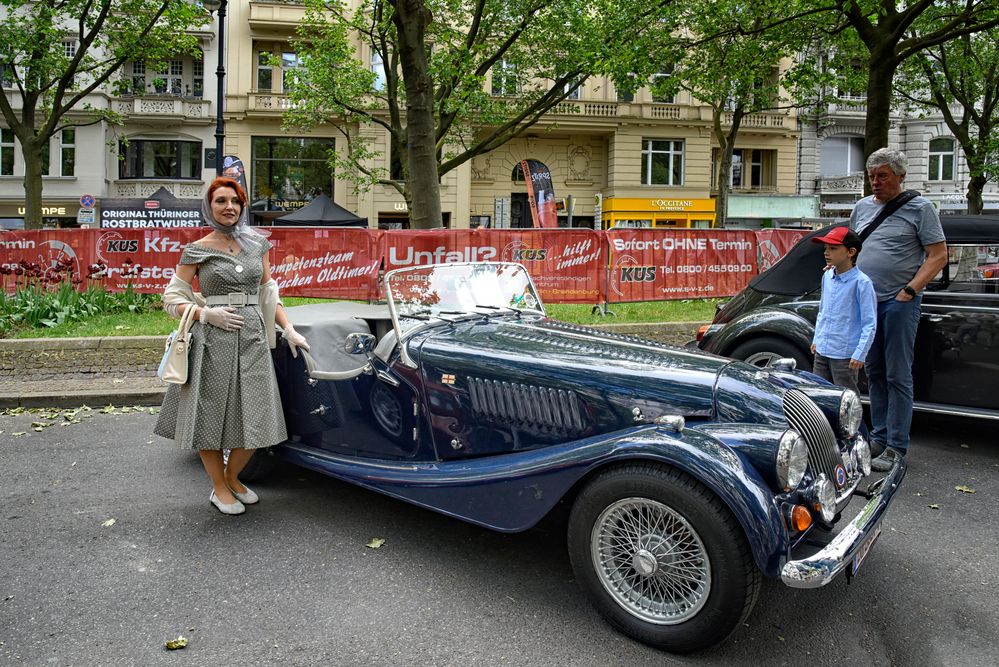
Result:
{"points": [[657, 212], [56, 212]]}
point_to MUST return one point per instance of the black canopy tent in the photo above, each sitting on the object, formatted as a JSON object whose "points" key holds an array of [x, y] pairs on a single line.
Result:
{"points": [[321, 211]]}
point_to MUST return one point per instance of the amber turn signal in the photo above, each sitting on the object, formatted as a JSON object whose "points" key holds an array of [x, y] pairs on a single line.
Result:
{"points": [[701, 330], [801, 518]]}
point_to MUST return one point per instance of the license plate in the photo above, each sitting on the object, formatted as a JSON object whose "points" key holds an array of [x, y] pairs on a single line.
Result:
{"points": [[864, 550]]}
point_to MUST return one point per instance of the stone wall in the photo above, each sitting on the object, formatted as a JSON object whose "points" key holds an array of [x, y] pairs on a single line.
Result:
{"points": [[55, 358]]}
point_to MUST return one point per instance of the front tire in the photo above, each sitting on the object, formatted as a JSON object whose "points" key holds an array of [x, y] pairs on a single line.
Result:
{"points": [[765, 350], [260, 465], [661, 558]]}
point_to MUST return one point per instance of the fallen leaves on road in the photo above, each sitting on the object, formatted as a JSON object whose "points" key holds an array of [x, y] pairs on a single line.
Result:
{"points": [[964, 489], [174, 644], [933, 506], [375, 542], [108, 523], [18, 434]]}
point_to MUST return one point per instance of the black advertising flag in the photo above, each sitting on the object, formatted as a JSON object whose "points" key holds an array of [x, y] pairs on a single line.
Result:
{"points": [[540, 193]]}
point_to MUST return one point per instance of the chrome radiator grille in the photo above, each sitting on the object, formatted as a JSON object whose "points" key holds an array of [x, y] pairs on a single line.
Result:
{"points": [[526, 405], [807, 419]]}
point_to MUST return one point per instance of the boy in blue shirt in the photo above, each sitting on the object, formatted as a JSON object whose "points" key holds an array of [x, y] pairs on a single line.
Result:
{"points": [[848, 311]]}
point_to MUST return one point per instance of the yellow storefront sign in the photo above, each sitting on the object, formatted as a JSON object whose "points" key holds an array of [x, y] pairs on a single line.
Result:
{"points": [[657, 212]]}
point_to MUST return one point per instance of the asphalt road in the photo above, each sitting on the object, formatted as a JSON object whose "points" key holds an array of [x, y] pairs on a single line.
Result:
{"points": [[292, 583]]}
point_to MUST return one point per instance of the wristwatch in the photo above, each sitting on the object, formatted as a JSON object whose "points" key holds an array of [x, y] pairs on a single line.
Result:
{"points": [[909, 290]]}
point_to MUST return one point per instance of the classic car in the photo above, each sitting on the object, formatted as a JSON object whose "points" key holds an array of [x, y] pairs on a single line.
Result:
{"points": [[686, 477], [957, 342]]}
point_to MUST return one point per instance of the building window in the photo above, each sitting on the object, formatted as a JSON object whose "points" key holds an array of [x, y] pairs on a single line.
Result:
{"points": [[662, 162], [573, 94], [752, 169], [155, 158], [941, 160], [505, 81], [6, 152], [660, 78], [138, 78], [517, 175], [378, 68], [289, 61], [198, 77], [289, 171], [6, 76], [265, 72], [842, 156], [67, 152], [175, 82]]}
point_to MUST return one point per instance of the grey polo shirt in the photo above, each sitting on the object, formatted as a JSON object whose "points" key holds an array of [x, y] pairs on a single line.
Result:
{"points": [[893, 253]]}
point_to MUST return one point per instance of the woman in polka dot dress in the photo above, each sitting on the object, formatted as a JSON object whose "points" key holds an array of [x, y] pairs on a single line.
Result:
{"points": [[230, 400]]}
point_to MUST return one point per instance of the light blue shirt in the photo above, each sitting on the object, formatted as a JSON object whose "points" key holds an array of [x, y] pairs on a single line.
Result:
{"points": [[848, 313]]}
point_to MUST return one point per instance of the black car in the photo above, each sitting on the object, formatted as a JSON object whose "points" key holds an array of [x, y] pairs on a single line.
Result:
{"points": [[957, 343]]}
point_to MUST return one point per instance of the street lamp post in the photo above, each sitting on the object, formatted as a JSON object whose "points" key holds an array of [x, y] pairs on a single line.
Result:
{"points": [[219, 7]]}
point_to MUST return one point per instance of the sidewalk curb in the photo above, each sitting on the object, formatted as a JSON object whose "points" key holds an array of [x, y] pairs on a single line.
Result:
{"points": [[98, 397]]}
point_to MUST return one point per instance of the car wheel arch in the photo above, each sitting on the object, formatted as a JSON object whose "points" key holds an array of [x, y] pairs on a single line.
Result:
{"points": [[767, 546]]}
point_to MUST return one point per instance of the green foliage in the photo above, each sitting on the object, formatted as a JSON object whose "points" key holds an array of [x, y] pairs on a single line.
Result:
{"points": [[495, 67], [56, 54]]}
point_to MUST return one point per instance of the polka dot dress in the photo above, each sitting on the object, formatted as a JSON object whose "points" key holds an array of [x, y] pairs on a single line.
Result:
{"points": [[231, 397]]}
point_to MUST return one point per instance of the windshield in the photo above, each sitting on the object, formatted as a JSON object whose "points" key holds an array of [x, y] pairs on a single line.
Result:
{"points": [[448, 290]]}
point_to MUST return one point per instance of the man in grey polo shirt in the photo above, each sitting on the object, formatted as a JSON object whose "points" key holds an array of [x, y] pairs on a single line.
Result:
{"points": [[901, 256]]}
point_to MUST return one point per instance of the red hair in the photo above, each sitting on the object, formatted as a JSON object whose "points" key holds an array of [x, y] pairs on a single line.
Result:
{"points": [[226, 182]]}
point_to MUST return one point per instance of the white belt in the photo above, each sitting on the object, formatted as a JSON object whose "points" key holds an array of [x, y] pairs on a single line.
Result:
{"points": [[233, 299]]}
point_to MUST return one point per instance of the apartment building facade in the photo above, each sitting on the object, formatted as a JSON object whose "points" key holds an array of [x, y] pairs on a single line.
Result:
{"points": [[616, 159]]}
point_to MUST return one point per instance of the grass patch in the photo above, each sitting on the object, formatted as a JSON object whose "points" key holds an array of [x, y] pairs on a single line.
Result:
{"points": [[158, 323]]}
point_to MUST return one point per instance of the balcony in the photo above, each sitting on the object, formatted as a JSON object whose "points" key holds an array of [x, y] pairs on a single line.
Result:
{"points": [[847, 184], [265, 101], [276, 14], [762, 121], [851, 106], [140, 188], [164, 108]]}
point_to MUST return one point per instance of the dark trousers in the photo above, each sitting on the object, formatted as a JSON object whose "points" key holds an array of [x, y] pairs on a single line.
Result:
{"points": [[837, 371]]}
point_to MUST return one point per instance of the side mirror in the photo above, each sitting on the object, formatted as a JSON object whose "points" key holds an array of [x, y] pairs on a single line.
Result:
{"points": [[359, 343]]}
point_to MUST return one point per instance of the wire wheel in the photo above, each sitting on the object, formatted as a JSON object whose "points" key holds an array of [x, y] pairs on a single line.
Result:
{"points": [[651, 561]]}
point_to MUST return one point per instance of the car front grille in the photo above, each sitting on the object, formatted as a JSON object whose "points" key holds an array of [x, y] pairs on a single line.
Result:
{"points": [[807, 419], [526, 405]]}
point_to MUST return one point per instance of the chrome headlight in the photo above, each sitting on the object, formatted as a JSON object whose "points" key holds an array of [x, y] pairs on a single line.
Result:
{"points": [[825, 498], [863, 452], [792, 459], [850, 414]]}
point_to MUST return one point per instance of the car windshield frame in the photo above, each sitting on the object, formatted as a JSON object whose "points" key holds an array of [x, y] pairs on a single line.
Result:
{"points": [[457, 291]]}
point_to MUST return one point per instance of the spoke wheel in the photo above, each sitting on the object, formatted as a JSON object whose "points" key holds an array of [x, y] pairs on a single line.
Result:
{"points": [[661, 557], [651, 561]]}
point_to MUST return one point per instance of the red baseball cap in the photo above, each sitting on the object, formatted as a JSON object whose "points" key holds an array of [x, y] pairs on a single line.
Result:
{"points": [[834, 237]]}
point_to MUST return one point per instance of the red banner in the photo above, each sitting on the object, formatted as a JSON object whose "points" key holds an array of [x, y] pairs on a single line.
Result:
{"points": [[335, 263], [565, 264], [656, 264], [772, 244]]}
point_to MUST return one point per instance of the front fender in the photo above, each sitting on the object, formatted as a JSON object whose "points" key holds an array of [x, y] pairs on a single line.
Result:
{"points": [[513, 492], [768, 321]]}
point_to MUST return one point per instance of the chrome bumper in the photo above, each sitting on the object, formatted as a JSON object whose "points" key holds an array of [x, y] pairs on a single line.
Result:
{"points": [[821, 568]]}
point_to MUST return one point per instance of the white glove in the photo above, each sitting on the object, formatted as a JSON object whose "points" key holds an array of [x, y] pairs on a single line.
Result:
{"points": [[223, 317], [295, 340]]}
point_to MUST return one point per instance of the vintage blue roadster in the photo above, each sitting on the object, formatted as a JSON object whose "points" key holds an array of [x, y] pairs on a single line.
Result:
{"points": [[687, 476]]}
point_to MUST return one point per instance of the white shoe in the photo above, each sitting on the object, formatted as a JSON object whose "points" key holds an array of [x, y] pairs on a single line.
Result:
{"points": [[231, 508], [247, 497]]}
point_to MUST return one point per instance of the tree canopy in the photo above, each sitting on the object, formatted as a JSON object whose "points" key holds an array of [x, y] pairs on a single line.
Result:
{"points": [[56, 54], [451, 79]]}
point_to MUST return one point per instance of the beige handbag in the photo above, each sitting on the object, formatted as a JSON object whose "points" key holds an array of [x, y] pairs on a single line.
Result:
{"points": [[173, 366]]}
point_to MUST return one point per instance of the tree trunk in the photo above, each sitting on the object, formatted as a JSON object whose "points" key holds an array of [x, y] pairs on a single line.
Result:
{"points": [[726, 147], [411, 19], [879, 87], [975, 186], [32, 183]]}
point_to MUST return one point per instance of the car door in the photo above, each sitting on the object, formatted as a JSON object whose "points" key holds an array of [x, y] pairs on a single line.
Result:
{"points": [[959, 337]]}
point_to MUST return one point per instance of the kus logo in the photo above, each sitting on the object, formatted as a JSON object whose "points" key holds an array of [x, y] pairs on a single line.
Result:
{"points": [[637, 274], [122, 245], [519, 251]]}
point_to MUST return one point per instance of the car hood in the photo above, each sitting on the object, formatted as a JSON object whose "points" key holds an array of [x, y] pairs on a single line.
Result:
{"points": [[613, 375]]}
